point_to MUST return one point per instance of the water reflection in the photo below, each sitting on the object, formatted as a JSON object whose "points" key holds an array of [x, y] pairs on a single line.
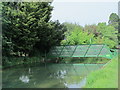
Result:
{"points": [[58, 74], [76, 85], [24, 79], [51, 76]]}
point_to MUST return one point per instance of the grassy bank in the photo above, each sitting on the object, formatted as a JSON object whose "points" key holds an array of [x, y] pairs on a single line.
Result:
{"points": [[13, 61], [107, 77], [86, 60]]}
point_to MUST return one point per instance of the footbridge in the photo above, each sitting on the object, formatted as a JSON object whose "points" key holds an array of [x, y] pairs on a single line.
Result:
{"points": [[91, 50]]}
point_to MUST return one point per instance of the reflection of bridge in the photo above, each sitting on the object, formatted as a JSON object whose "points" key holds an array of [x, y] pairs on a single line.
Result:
{"points": [[91, 50]]}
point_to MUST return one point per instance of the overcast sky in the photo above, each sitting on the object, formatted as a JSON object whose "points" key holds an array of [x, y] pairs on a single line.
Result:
{"points": [[83, 12]]}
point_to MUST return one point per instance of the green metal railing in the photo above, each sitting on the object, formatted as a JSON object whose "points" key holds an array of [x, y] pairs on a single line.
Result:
{"points": [[92, 50]]}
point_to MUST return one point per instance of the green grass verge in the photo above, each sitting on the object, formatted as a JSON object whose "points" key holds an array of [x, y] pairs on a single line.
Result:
{"points": [[85, 60], [106, 77]]}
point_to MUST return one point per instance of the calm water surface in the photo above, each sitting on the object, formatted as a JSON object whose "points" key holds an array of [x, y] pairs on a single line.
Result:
{"points": [[48, 76]]}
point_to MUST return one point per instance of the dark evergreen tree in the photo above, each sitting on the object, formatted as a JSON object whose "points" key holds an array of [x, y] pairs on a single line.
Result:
{"points": [[114, 20], [27, 25]]}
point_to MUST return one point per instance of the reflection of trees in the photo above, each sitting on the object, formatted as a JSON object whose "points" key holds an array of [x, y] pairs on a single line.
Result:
{"points": [[26, 74], [58, 75], [24, 79], [11, 77]]}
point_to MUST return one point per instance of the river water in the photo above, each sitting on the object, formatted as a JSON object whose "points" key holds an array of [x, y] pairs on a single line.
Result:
{"points": [[47, 75]]}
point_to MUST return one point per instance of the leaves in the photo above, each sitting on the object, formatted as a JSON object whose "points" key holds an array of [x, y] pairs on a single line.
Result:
{"points": [[77, 36], [91, 34], [27, 25]]}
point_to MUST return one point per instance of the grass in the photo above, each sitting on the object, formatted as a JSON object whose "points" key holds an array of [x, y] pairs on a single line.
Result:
{"points": [[106, 77], [87, 60], [13, 61]]}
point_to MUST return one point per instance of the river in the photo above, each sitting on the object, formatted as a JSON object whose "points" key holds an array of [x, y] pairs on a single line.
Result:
{"points": [[47, 75]]}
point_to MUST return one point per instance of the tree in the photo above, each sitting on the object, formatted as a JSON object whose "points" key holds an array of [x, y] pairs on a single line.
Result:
{"points": [[50, 35], [78, 36], [28, 27], [108, 34], [113, 20], [16, 27], [91, 29], [91, 34]]}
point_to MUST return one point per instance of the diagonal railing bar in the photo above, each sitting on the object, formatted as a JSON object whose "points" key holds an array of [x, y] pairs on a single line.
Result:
{"points": [[61, 51], [87, 50], [99, 54], [55, 49], [74, 50], [68, 43], [100, 50], [73, 68], [60, 48], [49, 52], [70, 50], [81, 48], [67, 49]]}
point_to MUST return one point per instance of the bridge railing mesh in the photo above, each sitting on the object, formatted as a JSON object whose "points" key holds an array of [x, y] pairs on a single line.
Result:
{"points": [[80, 51]]}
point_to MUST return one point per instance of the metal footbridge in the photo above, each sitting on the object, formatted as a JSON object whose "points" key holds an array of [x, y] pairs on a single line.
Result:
{"points": [[91, 50]]}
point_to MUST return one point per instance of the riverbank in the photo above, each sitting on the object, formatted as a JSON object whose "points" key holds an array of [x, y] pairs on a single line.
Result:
{"points": [[107, 77], [13, 61]]}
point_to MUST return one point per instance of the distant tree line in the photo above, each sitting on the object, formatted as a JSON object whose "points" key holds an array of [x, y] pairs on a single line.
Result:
{"points": [[27, 28], [94, 34]]}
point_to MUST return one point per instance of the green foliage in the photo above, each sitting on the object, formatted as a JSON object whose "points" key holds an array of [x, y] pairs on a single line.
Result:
{"points": [[106, 30], [84, 60], [51, 34], [91, 29], [17, 27], [28, 32], [109, 42], [70, 26], [7, 47], [113, 20], [13, 61], [77, 36], [91, 34], [27, 26], [108, 34]]}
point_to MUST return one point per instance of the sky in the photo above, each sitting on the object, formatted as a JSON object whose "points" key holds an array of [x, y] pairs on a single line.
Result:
{"points": [[83, 13]]}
